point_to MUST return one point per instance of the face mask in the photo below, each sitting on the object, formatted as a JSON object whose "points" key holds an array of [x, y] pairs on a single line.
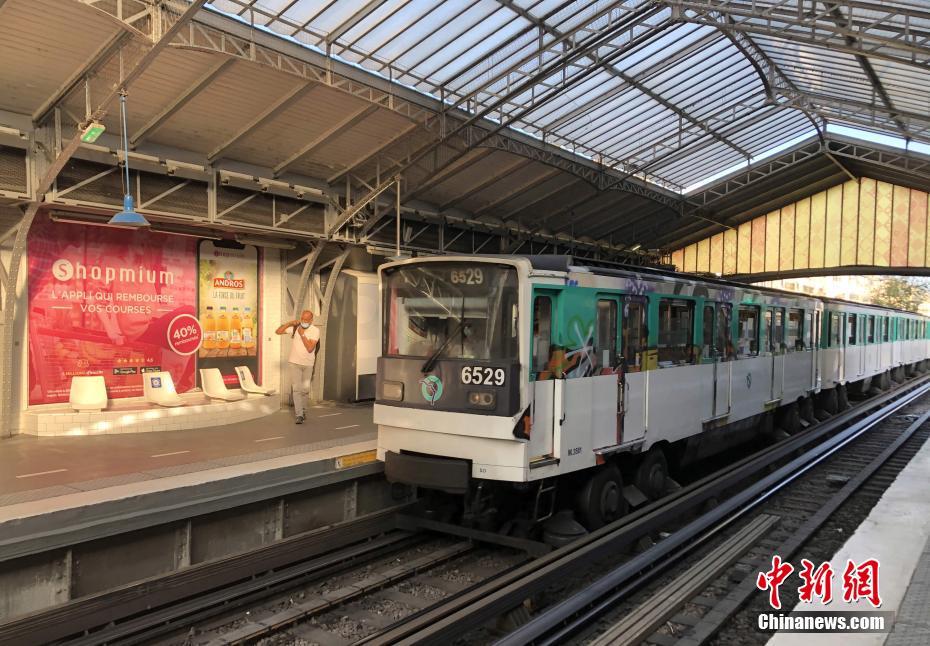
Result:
{"points": [[305, 325]]}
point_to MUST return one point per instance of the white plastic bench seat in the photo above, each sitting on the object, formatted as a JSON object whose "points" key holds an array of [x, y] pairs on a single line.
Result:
{"points": [[211, 380], [88, 393], [247, 382], [158, 388]]}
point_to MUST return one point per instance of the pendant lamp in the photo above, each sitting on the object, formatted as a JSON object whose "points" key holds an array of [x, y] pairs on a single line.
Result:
{"points": [[128, 216]]}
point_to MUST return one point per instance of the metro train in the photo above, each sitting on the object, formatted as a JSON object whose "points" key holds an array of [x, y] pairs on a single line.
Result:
{"points": [[570, 383]]}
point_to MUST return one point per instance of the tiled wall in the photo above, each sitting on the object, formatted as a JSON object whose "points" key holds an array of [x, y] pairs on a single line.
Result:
{"points": [[134, 416]]}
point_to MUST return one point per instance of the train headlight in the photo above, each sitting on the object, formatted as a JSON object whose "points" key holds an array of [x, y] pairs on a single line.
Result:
{"points": [[392, 391], [481, 399]]}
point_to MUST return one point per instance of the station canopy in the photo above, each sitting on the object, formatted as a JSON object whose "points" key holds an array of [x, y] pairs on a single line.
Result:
{"points": [[643, 123], [673, 92]]}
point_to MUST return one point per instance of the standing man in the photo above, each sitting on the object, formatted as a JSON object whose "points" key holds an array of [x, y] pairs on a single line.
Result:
{"points": [[304, 338]]}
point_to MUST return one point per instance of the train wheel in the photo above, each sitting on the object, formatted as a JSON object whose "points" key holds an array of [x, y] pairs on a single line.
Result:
{"points": [[842, 399], [790, 419], [652, 474], [807, 410], [828, 401], [601, 499]]}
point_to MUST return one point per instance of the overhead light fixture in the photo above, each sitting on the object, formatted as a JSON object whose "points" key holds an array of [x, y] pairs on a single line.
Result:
{"points": [[128, 216], [636, 247], [92, 132]]}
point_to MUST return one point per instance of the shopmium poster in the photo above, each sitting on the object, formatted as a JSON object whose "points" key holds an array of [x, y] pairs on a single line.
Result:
{"points": [[228, 307], [101, 301]]}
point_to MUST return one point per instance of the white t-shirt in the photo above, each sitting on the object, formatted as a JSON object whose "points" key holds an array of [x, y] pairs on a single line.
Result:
{"points": [[299, 354]]}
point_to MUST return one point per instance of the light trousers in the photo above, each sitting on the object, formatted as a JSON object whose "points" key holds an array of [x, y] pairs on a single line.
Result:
{"points": [[300, 385]]}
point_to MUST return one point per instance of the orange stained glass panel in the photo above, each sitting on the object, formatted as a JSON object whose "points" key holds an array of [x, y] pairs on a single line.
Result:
{"points": [[900, 219], [883, 199], [833, 227], [850, 235], [802, 229], [818, 223], [786, 239], [865, 253]]}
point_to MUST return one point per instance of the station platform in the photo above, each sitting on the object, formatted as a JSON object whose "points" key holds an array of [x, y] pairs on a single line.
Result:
{"points": [[897, 534], [55, 491]]}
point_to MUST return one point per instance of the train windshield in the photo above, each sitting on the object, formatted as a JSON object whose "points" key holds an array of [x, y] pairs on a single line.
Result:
{"points": [[454, 310]]}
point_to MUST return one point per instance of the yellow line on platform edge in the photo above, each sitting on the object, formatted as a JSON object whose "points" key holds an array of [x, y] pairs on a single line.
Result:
{"points": [[355, 459]]}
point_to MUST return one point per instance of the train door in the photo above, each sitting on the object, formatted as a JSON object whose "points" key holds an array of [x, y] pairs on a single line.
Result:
{"points": [[634, 337], [853, 348], [775, 320], [723, 351], [546, 407], [896, 342], [812, 342]]}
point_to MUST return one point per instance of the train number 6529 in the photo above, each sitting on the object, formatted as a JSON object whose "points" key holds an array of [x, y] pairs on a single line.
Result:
{"points": [[480, 376]]}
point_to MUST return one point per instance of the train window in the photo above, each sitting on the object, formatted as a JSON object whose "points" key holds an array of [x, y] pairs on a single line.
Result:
{"points": [[723, 346], [870, 337], [748, 343], [811, 332], [835, 338], [794, 339], [635, 334], [886, 336], [542, 332], [777, 329], [707, 333], [605, 349], [676, 326], [851, 329]]}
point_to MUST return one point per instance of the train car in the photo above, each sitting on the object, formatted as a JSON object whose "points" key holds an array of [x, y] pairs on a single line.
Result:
{"points": [[532, 372], [865, 347]]}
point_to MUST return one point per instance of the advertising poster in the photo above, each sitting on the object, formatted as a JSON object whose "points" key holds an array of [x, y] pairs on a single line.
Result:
{"points": [[228, 307], [106, 301]]}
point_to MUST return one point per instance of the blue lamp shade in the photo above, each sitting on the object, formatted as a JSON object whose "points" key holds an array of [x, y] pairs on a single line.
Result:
{"points": [[128, 216]]}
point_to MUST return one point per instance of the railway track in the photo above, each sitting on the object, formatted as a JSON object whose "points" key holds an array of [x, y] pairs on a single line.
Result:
{"points": [[739, 488], [394, 579]]}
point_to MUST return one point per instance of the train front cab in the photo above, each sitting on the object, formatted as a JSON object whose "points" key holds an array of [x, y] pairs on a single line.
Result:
{"points": [[451, 387]]}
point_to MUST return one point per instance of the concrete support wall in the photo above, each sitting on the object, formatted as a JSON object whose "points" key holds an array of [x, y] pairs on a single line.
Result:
{"points": [[39, 581]]}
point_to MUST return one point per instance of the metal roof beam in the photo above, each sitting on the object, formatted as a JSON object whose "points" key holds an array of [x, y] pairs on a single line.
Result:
{"points": [[266, 115], [181, 100], [837, 15], [493, 179], [896, 34], [368, 156], [518, 191], [360, 14], [326, 136], [632, 82], [85, 70], [542, 198], [442, 174]]}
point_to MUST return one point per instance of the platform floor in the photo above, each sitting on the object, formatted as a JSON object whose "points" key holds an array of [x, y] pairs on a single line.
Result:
{"points": [[897, 533], [37, 468]]}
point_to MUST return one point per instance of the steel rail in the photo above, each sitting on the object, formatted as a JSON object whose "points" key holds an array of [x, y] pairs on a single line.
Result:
{"points": [[788, 547], [728, 512], [88, 613], [485, 602]]}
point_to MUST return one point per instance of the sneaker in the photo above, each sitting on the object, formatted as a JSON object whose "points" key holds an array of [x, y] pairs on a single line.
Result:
{"points": [[300, 419]]}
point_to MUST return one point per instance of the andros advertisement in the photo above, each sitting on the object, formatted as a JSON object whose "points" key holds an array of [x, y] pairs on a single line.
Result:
{"points": [[102, 302]]}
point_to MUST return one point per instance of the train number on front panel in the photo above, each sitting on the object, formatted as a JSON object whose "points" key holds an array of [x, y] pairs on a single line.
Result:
{"points": [[481, 376]]}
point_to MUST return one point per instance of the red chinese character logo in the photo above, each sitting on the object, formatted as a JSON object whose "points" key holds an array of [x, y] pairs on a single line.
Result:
{"points": [[816, 583], [861, 582], [772, 579]]}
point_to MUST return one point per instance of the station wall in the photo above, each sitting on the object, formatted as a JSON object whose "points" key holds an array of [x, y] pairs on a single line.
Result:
{"points": [[64, 334], [864, 222]]}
